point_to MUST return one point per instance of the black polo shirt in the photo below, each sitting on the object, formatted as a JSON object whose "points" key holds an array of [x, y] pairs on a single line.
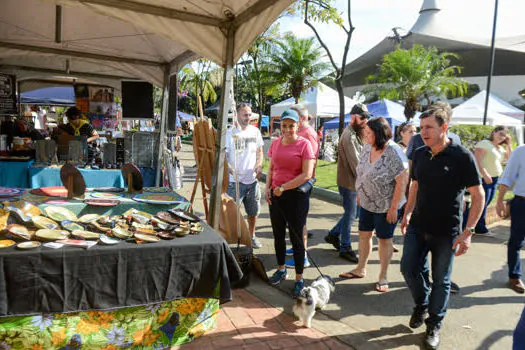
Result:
{"points": [[442, 180]]}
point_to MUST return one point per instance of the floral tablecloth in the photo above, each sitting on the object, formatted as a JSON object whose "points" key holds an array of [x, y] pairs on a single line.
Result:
{"points": [[156, 326]]}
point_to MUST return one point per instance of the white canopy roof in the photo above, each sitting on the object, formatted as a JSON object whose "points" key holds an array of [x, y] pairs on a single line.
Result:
{"points": [[443, 26], [474, 115], [119, 39], [496, 105], [321, 101]]}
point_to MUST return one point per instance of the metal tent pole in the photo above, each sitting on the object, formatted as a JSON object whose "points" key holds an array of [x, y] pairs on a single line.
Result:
{"points": [[222, 125], [163, 121], [491, 64]]}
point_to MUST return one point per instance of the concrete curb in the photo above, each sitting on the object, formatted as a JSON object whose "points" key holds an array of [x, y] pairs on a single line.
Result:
{"points": [[319, 193]]}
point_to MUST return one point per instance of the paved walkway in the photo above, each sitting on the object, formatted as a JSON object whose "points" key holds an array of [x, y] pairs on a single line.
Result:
{"points": [[482, 316], [249, 323]]}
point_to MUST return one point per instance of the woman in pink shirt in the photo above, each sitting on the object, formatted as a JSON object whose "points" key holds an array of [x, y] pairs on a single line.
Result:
{"points": [[291, 165]]}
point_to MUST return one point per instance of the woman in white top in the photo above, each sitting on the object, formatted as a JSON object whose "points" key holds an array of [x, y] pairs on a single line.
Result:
{"points": [[490, 155], [382, 175], [406, 131]]}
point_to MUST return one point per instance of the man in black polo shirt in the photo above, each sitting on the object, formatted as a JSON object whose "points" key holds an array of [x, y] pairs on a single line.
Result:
{"points": [[441, 172]]}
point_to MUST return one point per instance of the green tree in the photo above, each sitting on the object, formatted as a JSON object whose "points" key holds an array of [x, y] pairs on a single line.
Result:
{"points": [[254, 84], [297, 64], [415, 74], [325, 12], [196, 80], [157, 99]]}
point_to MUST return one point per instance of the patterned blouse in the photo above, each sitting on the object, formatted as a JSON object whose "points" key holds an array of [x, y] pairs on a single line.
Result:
{"points": [[376, 181]]}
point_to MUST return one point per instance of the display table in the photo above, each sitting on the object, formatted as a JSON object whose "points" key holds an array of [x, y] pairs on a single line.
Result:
{"points": [[127, 295], [77, 205], [15, 174], [45, 177]]}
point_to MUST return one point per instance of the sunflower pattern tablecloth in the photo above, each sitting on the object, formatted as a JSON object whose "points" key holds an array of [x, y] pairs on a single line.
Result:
{"points": [[156, 326]]}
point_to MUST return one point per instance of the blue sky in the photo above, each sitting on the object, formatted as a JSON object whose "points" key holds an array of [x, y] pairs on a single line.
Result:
{"points": [[374, 19]]}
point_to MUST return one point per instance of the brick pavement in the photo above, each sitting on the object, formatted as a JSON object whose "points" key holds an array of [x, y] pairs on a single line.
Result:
{"points": [[249, 323]]}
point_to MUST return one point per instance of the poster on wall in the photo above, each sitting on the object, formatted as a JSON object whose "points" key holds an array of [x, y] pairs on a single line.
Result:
{"points": [[7, 94], [102, 101], [82, 97]]}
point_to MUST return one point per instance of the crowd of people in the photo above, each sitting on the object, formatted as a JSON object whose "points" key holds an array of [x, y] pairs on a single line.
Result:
{"points": [[420, 183]]}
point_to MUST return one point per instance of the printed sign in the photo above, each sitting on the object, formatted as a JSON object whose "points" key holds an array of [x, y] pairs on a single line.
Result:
{"points": [[7, 94]]}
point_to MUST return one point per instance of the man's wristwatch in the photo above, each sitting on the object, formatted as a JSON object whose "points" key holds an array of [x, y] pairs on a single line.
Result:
{"points": [[471, 229], [281, 188]]}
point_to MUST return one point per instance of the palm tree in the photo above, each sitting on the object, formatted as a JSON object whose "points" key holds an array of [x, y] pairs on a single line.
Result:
{"points": [[199, 81], [417, 73], [297, 63], [259, 84]]}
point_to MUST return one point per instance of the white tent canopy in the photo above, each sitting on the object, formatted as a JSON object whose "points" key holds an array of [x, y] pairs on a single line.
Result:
{"points": [[139, 39], [321, 101], [496, 105], [127, 39], [473, 115]]}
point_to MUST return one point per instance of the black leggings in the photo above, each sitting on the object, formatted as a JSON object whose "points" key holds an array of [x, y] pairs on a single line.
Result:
{"points": [[291, 209]]}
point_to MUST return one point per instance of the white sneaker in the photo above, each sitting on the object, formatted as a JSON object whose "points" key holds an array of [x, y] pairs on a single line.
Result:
{"points": [[256, 243]]}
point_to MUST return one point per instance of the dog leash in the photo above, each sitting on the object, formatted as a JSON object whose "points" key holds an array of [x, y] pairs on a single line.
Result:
{"points": [[306, 251]]}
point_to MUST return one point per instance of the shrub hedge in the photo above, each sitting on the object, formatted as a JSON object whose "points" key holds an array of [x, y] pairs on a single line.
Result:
{"points": [[472, 134]]}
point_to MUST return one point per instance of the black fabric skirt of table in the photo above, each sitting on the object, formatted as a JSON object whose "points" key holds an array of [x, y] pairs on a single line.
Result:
{"points": [[69, 279]]}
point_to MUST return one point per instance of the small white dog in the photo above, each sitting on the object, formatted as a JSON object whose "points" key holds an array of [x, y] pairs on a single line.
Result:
{"points": [[314, 297]]}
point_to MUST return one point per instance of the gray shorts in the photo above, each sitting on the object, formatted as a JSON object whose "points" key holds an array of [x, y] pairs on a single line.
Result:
{"points": [[250, 195]]}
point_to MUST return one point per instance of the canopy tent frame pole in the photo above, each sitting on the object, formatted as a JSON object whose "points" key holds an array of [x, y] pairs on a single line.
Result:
{"points": [[72, 74], [491, 63], [163, 122], [222, 125], [79, 54]]}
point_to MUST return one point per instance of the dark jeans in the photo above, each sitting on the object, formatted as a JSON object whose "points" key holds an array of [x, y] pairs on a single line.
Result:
{"points": [[291, 209], [519, 334], [415, 269], [490, 191], [517, 235], [343, 226]]}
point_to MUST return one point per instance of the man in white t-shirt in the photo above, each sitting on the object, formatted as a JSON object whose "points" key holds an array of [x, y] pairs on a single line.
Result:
{"points": [[40, 121], [244, 151]]}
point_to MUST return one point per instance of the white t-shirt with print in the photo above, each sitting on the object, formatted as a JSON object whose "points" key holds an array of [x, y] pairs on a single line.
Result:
{"points": [[376, 181], [40, 120], [245, 143]]}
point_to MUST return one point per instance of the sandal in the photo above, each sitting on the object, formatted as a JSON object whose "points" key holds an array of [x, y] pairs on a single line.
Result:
{"points": [[350, 275], [382, 287], [517, 285]]}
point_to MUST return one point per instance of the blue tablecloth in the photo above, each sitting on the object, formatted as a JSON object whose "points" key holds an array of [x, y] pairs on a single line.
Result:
{"points": [[15, 174], [45, 177]]}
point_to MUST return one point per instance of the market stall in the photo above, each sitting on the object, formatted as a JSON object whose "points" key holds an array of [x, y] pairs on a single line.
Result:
{"points": [[116, 41], [150, 291]]}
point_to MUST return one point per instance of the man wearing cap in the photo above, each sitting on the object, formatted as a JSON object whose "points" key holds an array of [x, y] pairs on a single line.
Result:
{"points": [[350, 145], [244, 149]]}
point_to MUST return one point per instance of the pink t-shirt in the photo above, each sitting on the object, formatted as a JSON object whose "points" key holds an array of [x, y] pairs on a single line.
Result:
{"points": [[310, 134], [287, 160]]}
